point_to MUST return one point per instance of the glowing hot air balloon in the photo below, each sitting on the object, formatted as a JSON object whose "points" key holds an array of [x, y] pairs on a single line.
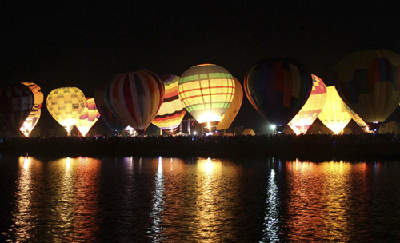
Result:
{"points": [[172, 109], [334, 115], [135, 97], [233, 109], [35, 113], [278, 88], [88, 117], [311, 109], [207, 91], [66, 105], [368, 81]]}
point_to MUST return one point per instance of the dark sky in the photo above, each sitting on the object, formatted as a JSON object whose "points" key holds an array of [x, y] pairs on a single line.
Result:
{"points": [[83, 44]]}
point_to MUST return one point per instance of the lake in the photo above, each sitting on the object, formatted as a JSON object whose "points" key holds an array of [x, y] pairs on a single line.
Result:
{"points": [[195, 199]]}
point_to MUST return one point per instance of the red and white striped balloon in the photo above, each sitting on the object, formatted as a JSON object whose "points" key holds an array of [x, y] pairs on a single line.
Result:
{"points": [[135, 97]]}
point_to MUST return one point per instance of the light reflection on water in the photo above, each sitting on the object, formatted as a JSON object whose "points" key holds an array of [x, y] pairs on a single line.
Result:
{"points": [[197, 200]]}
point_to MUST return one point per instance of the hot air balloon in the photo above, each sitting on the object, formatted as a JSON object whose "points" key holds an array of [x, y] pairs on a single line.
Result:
{"points": [[207, 91], [311, 109], [30, 122], [16, 102], [172, 109], [88, 117], [368, 81], [135, 97], [278, 88], [334, 115], [66, 105], [233, 109], [35, 113], [112, 120], [356, 117]]}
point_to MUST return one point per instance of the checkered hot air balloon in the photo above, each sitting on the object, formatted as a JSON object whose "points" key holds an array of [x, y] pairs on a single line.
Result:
{"points": [[135, 97], [369, 83], [172, 109], [66, 105], [302, 121], [88, 117], [113, 121], [16, 102], [207, 91], [278, 88]]}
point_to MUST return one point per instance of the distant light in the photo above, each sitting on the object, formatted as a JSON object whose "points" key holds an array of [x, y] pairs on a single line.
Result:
{"points": [[272, 127], [195, 133], [375, 122]]}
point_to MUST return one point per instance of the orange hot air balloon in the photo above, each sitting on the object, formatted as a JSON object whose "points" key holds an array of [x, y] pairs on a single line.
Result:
{"points": [[233, 109], [172, 109], [35, 113], [311, 109], [88, 117]]}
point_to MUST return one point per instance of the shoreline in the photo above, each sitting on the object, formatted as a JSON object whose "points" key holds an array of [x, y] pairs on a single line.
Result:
{"points": [[313, 147]]}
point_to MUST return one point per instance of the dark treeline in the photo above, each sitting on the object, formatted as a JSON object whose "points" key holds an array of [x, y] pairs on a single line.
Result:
{"points": [[313, 147]]}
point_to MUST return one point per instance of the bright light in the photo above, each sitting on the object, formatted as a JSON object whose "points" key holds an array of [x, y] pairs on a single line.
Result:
{"points": [[273, 127], [195, 133], [207, 117]]}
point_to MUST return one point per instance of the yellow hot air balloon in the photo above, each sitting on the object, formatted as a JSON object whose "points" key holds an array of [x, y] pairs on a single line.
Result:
{"points": [[88, 117], [34, 115], [334, 115], [66, 105], [311, 109], [207, 91], [356, 117], [233, 109]]}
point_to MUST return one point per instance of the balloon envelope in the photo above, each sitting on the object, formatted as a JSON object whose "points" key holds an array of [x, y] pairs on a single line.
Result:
{"points": [[172, 109], [135, 97], [112, 120], [278, 88], [311, 109], [16, 102], [66, 105], [334, 115], [368, 81], [207, 91], [88, 117], [233, 109]]}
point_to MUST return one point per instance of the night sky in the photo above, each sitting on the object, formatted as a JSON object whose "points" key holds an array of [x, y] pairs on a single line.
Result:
{"points": [[67, 43]]}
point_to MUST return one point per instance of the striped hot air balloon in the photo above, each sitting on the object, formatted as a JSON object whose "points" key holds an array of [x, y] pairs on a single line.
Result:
{"points": [[35, 113], [135, 97], [172, 109], [302, 121], [112, 120], [334, 115], [369, 83], [278, 88], [65, 105], [233, 109], [16, 102], [207, 91], [88, 117]]}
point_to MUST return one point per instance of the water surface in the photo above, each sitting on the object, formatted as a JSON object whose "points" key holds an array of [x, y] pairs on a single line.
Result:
{"points": [[197, 200]]}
